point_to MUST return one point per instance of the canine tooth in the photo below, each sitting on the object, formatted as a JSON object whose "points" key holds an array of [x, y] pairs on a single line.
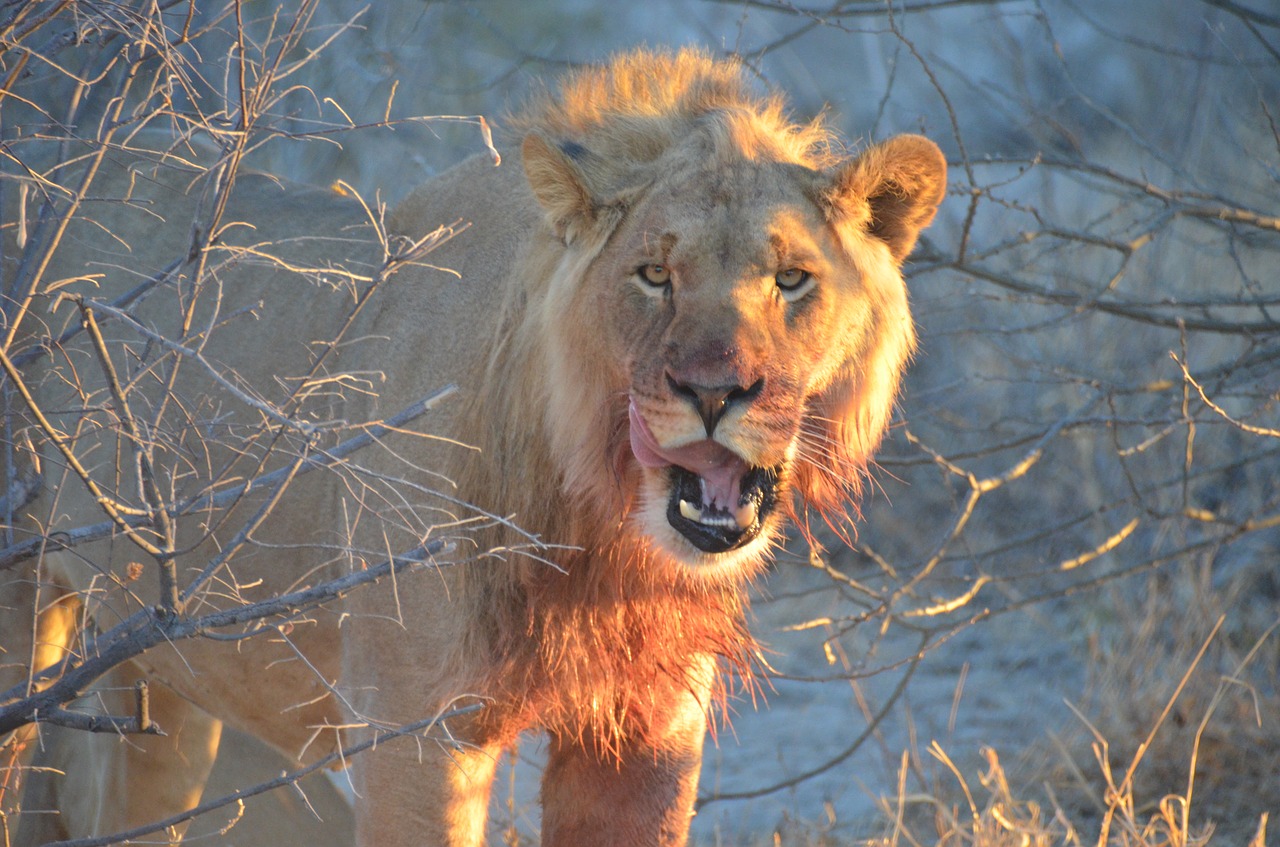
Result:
{"points": [[690, 511], [745, 514]]}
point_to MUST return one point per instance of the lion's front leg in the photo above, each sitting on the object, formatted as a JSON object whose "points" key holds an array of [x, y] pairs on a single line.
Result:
{"points": [[410, 795], [90, 784], [640, 795]]}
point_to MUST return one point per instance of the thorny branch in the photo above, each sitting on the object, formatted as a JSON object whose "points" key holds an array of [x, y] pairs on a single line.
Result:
{"points": [[1053, 446], [224, 497], [152, 626], [380, 736], [120, 71]]}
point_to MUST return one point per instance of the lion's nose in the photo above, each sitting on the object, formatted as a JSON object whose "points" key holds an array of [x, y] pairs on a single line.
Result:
{"points": [[712, 401]]}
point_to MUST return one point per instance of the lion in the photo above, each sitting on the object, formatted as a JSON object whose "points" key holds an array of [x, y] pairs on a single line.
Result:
{"points": [[677, 323]]}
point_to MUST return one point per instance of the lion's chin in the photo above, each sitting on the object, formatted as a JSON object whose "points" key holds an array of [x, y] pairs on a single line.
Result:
{"points": [[715, 529]]}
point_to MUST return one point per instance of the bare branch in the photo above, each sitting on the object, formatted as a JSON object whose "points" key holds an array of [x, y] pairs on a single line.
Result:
{"points": [[150, 627], [380, 736], [69, 539]]}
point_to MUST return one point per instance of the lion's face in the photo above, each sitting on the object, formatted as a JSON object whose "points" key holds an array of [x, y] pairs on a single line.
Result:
{"points": [[746, 324], [734, 305]]}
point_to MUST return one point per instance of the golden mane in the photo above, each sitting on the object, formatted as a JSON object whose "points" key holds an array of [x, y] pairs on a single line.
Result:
{"points": [[643, 102], [568, 621]]}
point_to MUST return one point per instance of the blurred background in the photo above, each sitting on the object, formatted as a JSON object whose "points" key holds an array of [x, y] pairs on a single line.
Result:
{"points": [[1056, 621]]}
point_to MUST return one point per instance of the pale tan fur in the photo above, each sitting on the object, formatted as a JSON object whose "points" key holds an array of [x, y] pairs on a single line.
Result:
{"points": [[615, 638]]}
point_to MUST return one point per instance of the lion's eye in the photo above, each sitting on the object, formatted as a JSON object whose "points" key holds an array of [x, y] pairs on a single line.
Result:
{"points": [[658, 276], [793, 280]]}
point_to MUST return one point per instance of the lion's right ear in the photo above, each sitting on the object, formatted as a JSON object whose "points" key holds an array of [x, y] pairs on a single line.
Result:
{"points": [[560, 186], [893, 189]]}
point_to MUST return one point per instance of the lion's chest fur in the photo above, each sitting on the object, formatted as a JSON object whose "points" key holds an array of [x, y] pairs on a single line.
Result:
{"points": [[599, 650]]}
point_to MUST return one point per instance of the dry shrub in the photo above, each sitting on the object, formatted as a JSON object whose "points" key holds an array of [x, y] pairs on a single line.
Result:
{"points": [[955, 813], [993, 814], [1094, 228], [1185, 685], [1177, 740]]}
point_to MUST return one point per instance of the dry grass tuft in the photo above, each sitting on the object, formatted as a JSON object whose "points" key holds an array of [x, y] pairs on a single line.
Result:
{"points": [[1186, 690], [991, 814], [1179, 737], [988, 814]]}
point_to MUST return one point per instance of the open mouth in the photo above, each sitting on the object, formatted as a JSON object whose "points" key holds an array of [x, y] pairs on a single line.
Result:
{"points": [[717, 500], [694, 512]]}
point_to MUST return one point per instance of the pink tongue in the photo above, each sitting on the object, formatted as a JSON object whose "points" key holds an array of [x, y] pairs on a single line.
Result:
{"points": [[719, 467]]}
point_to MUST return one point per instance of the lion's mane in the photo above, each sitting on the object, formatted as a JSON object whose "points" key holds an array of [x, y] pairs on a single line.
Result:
{"points": [[608, 616]]}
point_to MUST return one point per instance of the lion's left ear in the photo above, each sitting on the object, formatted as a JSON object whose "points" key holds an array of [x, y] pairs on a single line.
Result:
{"points": [[894, 188], [559, 185]]}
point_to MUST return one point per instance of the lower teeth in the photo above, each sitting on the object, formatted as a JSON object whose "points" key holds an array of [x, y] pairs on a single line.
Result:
{"points": [[743, 517]]}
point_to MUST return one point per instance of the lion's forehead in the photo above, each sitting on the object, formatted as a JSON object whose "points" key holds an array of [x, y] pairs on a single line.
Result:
{"points": [[738, 185], [764, 230]]}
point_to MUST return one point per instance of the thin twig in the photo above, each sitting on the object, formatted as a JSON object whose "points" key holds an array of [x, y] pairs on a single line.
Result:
{"points": [[380, 736], [150, 627]]}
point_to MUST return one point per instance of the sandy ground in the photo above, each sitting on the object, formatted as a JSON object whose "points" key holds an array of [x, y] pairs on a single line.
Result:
{"points": [[1000, 683]]}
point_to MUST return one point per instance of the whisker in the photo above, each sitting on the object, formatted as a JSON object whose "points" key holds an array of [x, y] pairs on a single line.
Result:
{"points": [[810, 416]]}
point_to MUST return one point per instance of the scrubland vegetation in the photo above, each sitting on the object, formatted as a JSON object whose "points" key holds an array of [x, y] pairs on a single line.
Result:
{"points": [[1075, 524]]}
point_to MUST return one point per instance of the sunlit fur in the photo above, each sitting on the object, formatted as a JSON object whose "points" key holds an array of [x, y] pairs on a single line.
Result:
{"points": [[554, 404], [615, 637]]}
